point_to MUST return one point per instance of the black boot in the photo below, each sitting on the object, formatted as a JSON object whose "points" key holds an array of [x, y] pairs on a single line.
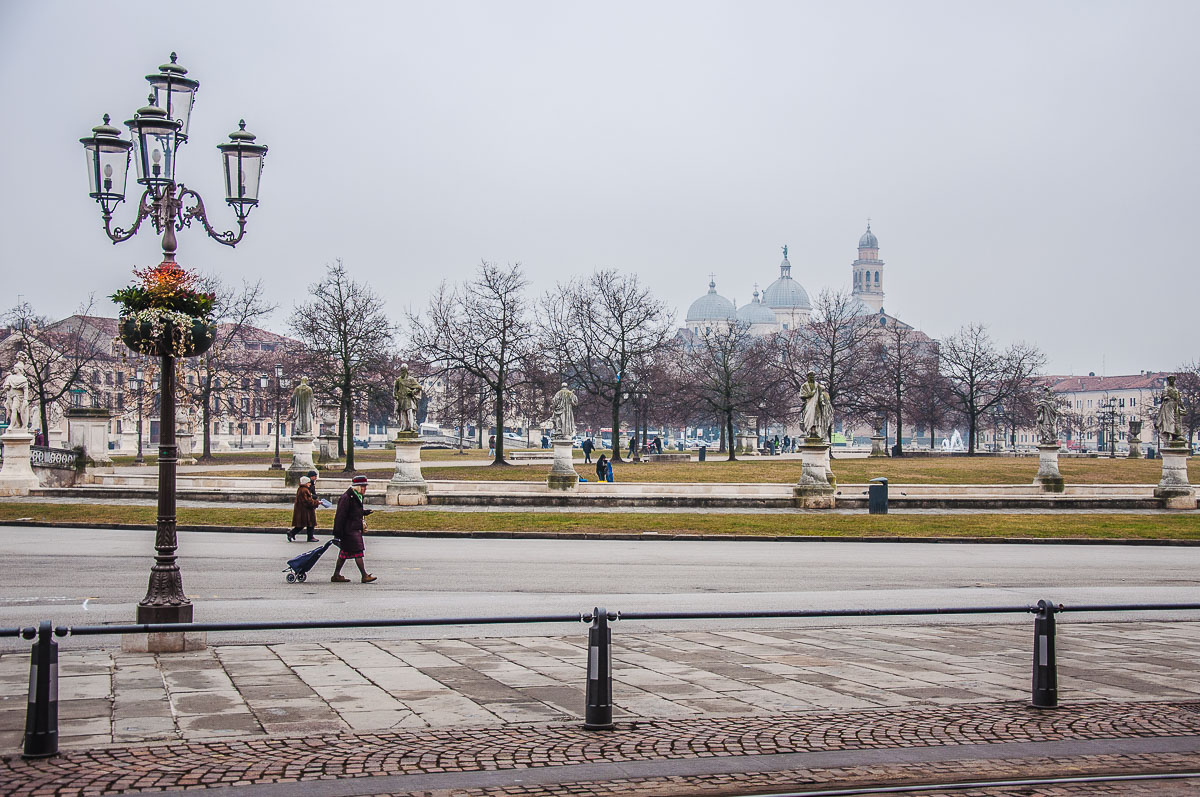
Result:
{"points": [[291, 535], [311, 537]]}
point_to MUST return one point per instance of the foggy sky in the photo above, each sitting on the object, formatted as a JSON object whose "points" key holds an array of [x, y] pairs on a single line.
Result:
{"points": [[1028, 165]]}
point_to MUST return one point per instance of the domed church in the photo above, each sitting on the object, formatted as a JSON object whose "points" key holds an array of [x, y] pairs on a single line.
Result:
{"points": [[785, 303]]}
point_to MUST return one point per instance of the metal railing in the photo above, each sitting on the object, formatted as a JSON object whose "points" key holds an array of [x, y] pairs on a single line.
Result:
{"points": [[41, 720]]}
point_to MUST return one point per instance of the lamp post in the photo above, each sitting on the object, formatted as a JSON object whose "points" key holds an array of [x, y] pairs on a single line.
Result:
{"points": [[275, 463], [158, 130], [139, 381]]}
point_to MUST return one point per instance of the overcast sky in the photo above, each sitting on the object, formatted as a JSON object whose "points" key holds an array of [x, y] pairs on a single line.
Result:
{"points": [[1028, 165]]}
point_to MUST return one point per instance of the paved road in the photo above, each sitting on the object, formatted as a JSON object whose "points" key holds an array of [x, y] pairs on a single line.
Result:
{"points": [[90, 576]]}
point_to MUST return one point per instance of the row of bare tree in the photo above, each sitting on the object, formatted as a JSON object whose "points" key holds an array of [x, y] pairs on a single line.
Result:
{"points": [[501, 353]]}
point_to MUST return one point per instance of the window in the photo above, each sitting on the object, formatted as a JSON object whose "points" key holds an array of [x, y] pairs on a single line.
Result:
{"points": [[120, 401], [120, 378], [245, 404], [95, 377], [258, 428], [108, 378]]}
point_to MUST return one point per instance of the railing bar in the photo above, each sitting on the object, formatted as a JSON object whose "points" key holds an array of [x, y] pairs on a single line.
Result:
{"points": [[150, 628], [825, 613], [1130, 607]]}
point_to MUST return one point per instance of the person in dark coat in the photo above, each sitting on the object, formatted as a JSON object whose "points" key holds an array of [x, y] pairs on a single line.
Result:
{"points": [[588, 447], [601, 468], [304, 510], [348, 526]]}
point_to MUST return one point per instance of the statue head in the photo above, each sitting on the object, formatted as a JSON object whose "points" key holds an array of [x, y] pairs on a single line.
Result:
{"points": [[404, 371], [564, 384], [1171, 381], [304, 381], [812, 377]]}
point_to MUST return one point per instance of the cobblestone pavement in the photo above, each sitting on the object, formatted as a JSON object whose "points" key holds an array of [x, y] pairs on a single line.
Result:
{"points": [[942, 743], [108, 696]]}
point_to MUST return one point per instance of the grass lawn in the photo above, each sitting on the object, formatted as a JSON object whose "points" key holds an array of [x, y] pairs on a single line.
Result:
{"points": [[939, 470], [1109, 526]]}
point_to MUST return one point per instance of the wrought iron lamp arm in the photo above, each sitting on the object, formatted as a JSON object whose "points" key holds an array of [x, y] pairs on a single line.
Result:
{"points": [[196, 211], [146, 209]]}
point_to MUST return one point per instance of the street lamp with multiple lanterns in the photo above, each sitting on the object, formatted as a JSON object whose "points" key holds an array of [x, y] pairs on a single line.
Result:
{"points": [[158, 130]]}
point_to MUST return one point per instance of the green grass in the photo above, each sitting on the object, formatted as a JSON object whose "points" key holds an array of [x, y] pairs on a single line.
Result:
{"points": [[1107, 526]]}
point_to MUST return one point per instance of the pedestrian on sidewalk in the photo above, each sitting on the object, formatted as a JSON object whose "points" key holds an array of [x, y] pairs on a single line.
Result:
{"points": [[492, 446], [304, 510], [588, 447], [348, 526]]}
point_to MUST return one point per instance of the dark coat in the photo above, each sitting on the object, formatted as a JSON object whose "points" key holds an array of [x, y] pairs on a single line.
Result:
{"points": [[348, 523], [588, 446], [601, 467], [304, 511]]}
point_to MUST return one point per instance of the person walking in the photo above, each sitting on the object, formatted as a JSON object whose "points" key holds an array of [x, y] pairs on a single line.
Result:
{"points": [[601, 468], [588, 447], [304, 510], [348, 526], [492, 446]]}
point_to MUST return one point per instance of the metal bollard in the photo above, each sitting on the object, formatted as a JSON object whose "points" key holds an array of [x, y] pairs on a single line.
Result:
{"points": [[598, 712], [877, 497], [1045, 669], [41, 718]]}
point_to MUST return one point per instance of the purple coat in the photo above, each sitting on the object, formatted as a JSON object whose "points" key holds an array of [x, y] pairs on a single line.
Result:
{"points": [[348, 523]]}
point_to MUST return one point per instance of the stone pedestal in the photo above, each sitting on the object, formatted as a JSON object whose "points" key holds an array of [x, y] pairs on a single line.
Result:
{"points": [[17, 477], [562, 472], [748, 444], [878, 445], [164, 642], [327, 449], [407, 487], [87, 427], [1135, 447], [814, 490], [302, 461], [184, 441], [1048, 477], [1174, 486]]}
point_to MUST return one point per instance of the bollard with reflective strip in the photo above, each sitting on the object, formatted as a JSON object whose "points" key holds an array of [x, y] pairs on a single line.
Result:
{"points": [[598, 712], [1045, 669], [41, 719]]}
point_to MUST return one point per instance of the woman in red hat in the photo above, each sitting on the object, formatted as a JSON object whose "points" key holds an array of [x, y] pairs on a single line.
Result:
{"points": [[348, 526]]}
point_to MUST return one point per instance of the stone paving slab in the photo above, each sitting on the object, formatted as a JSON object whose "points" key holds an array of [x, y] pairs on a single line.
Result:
{"points": [[108, 696]]}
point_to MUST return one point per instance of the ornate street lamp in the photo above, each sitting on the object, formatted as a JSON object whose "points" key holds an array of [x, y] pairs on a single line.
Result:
{"points": [[157, 131]]}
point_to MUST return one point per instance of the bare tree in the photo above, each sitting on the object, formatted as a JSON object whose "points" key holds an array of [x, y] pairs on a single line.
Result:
{"points": [[345, 329], [929, 399], [483, 328], [57, 354], [1187, 380], [720, 371], [227, 362], [601, 329], [836, 345], [980, 377], [899, 351]]}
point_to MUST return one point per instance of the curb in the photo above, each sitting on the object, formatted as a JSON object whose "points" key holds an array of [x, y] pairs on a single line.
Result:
{"points": [[626, 536]]}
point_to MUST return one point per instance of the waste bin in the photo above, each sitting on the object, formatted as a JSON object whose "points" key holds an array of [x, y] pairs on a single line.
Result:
{"points": [[703, 451], [877, 497]]}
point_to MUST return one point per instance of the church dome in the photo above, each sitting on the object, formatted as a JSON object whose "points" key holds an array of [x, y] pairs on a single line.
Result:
{"points": [[868, 240], [756, 312], [712, 306], [785, 293]]}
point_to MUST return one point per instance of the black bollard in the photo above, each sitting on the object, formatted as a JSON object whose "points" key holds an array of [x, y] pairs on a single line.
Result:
{"points": [[598, 712], [1045, 670], [41, 719]]}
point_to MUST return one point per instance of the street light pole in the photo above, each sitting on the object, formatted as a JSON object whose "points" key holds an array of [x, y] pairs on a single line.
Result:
{"points": [[158, 130], [276, 464]]}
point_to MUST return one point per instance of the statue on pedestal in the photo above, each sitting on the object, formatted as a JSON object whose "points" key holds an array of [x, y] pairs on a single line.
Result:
{"points": [[1047, 418], [16, 397], [818, 411], [302, 409], [563, 408], [406, 392], [1169, 420]]}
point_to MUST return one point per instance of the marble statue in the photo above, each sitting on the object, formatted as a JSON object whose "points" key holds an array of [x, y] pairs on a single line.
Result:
{"points": [[16, 397], [1169, 420], [407, 392], [1047, 418], [302, 409], [563, 408], [818, 411]]}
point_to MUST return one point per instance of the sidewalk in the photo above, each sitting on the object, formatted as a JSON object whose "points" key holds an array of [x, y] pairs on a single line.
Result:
{"points": [[738, 710]]}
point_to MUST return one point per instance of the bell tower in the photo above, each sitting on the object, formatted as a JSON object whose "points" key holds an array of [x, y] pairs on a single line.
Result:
{"points": [[868, 271]]}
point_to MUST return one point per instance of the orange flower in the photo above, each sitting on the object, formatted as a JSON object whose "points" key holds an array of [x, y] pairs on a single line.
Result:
{"points": [[166, 279]]}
